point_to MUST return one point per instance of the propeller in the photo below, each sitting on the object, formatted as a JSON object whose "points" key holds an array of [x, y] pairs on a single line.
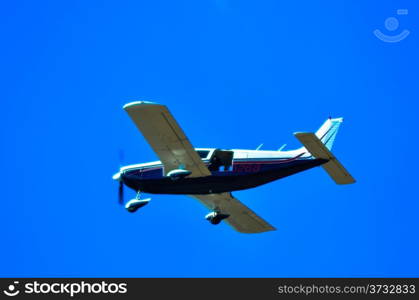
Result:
{"points": [[117, 177], [121, 193]]}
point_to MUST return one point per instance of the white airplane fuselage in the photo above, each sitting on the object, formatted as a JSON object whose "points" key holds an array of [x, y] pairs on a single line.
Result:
{"points": [[231, 170]]}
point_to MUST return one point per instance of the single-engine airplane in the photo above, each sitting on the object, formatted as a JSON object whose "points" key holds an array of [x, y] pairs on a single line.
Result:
{"points": [[210, 175]]}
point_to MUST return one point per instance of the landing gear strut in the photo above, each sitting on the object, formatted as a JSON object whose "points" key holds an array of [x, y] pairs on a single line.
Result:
{"points": [[134, 204]]}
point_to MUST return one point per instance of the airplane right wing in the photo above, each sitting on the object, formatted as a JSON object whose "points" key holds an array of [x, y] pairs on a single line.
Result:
{"points": [[241, 218]]}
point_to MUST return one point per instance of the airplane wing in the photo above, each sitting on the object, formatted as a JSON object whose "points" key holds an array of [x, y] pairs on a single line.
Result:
{"points": [[166, 137], [241, 218]]}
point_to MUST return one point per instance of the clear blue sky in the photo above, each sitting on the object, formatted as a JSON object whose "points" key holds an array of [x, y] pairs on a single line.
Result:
{"points": [[234, 74]]}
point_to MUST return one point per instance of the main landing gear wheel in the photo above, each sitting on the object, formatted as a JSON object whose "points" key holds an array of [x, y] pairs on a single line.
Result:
{"points": [[216, 217]]}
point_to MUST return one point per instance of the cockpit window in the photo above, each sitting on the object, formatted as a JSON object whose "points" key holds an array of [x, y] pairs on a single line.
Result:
{"points": [[203, 153]]}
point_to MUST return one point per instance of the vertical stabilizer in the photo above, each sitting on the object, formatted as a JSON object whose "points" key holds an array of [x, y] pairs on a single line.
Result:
{"points": [[328, 131]]}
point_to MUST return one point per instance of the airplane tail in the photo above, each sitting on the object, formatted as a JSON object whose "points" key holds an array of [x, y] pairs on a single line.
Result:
{"points": [[328, 131], [319, 146]]}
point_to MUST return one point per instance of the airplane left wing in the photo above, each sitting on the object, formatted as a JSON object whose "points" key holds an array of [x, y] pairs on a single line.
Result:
{"points": [[166, 137], [241, 218]]}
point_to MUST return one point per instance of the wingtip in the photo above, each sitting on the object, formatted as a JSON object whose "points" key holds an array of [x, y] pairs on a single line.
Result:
{"points": [[137, 103], [340, 119]]}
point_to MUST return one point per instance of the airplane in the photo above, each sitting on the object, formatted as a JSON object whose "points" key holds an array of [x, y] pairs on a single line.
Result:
{"points": [[211, 174]]}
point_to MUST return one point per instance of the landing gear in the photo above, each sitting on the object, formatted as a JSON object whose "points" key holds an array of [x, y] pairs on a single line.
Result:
{"points": [[134, 204], [216, 217]]}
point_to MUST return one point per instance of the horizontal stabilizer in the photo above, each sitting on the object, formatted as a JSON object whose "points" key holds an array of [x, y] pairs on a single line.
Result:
{"points": [[333, 167]]}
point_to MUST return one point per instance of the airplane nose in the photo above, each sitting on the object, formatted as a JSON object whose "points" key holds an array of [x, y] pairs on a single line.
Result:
{"points": [[117, 176]]}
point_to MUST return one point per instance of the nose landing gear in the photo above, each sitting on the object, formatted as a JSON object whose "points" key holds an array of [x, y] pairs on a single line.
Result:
{"points": [[135, 204]]}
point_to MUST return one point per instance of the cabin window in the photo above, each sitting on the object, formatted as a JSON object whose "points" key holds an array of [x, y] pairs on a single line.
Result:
{"points": [[203, 153], [221, 160]]}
